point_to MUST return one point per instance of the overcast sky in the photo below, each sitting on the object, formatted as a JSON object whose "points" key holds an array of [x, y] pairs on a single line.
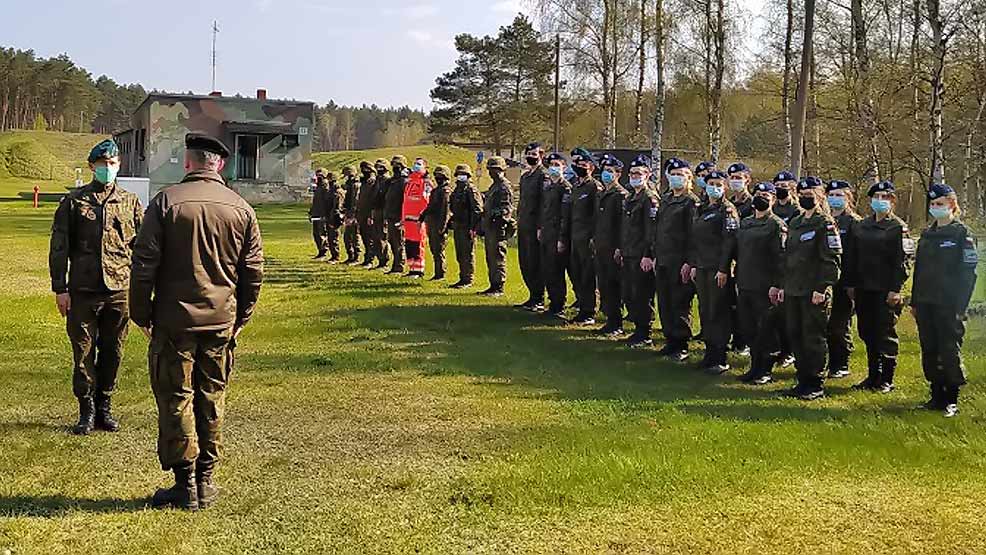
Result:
{"points": [[386, 52]]}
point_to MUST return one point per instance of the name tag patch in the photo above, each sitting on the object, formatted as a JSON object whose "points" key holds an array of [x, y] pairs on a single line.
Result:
{"points": [[653, 211], [947, 244], [583, 196], [708, 217], [808, 235]]}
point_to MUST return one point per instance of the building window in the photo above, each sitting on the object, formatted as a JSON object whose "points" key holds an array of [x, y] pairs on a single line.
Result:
{"points": [[247, 149]]}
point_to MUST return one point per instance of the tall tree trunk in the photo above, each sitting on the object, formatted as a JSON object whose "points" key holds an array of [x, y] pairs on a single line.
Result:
{"points": [[786, 82], [607, 74], [913, 208], [864, 99], [642, 66], [707, 74], [720, 68], [814, 159], [614, 96], [801, 101], [970, 135], [657, 136], [936, 171]]}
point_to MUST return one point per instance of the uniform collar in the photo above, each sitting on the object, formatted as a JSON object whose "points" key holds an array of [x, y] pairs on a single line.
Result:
{"points": [[204, 175]]}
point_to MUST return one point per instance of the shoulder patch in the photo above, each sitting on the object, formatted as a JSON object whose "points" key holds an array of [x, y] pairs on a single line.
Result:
{"points": [[970, 256], [909, 245], [566, 198], [653, 211], [732, 224]]}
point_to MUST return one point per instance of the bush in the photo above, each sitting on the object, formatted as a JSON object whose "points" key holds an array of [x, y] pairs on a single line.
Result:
{"points": [[31, 160]]}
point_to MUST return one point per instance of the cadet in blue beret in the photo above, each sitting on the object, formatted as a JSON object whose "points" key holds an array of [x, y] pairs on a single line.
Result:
{"points": [[606, 240], [841, 204], [553, 233], [944, 279], [582, 216], [90, 270], [876, 269], [786, 205], [532, 183], [739, 194], [635, 254]]}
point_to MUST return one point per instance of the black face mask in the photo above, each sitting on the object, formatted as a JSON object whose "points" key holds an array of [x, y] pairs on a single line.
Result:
{"points": [[495, 172], [381, 171], [367, 174], [533, 161], [782, 193], [807, 202], [760, 203], [397, 168], [580, 171]]}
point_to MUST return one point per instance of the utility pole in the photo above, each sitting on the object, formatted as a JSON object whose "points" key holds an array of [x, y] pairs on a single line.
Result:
{"points": [[557, 90], [215, 31]]}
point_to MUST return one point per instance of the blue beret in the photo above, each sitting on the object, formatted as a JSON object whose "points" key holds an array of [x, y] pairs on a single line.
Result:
{"points": [[642, 161], [882, 187], [676, 164], [764, 187], [810, 182], [556, 156], [738, 167], [784, 176], [704, 166], [206, 143], [939, 190], [716, 174], [104, 151], [611, 161], [582, 155], [532, 146], [836, 185]]}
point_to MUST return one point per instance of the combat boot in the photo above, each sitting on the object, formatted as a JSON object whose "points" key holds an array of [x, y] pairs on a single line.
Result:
{"points": [[951, 401], [937, 400], [104, 415], [872, 380], [87, 410], [182, 495], [205, 488], [887, 367]]}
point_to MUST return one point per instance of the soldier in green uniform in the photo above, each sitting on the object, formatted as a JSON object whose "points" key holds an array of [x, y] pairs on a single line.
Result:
{"points": [[198, 267], [364, 213], [392, 208], [333, 215], [634, 254], [378, 220], [89, 261], [318, 214], [350, 236], [739, 189], [880, 264], [582, 218], [436, 217], [944, 279], [786, 206], [713, 227], [466, 205], [498, 225], [553, 225], [605, 242], [528, 212], [675, 289], [702, 170], [811, 269], [840, 344], [758, 252]]}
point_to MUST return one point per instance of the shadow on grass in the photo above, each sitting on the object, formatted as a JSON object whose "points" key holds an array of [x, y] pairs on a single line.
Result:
{"points": [[14, 427], [51, 506]]}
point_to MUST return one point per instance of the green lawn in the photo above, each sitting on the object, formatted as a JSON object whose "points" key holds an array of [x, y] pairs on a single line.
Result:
{"points": [[372, 415]]}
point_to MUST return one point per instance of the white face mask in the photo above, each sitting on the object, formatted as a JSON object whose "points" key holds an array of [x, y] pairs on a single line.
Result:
{"points": [[462, 178], [737, 184]]}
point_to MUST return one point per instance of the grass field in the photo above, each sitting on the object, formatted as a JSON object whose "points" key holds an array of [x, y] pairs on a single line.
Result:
{"points": [[372, 415]]}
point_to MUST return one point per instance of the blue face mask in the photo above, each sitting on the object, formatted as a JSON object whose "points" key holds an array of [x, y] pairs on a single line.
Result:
{"points": [[837, 203], [713, 191], [636, 182], [607, 177], [701, 182], [940, 212], [418, 168], [676, 181], [554, 171], [880, 206], [737, 184], [105, 174]]}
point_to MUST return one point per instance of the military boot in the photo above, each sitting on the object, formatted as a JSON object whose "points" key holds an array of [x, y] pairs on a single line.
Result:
{"points": [[207, 491], [872, 380], [888, 366], [182, 495], [87, 410], [951, 394], [104, 415], [937, 400]]}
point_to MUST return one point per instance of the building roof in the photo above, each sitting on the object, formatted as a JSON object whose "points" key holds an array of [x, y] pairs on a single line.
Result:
{"points": [[170, 96]]}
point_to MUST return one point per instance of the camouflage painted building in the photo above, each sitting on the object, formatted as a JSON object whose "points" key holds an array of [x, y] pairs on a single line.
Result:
{"points": [[271, 141]]}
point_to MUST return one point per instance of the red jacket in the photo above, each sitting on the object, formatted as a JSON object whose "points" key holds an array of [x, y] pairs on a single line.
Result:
{"points": [[416, 193]]}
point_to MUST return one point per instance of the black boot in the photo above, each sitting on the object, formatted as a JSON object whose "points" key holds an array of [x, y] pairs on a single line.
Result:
{"points": [[205, 488], [87, 410], [951, 401], [182, 495], [888, 366], [873, 377], [937, 400], [104, 415]]}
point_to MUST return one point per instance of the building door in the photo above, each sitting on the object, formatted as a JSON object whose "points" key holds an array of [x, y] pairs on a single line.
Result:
{"points": [[247, 151]]}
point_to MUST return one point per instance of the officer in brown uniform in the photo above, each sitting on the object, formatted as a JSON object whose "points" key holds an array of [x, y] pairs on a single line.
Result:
{"points": [[528, 213], [393, 204], [378, 217], [635, 253], [333, 215], [553, 225], [436, 217], [605, 242], [585, 195], [198, 267], [350, 236], [364, 213], [466, 205], [91, 239], [498, 225], [318, 214]]}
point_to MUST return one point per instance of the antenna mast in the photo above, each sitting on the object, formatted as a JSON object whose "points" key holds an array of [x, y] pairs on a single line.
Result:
{"points": [[215, 31]]}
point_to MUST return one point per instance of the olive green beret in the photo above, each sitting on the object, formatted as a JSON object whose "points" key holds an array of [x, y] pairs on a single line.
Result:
{"points": [[104, 151]]}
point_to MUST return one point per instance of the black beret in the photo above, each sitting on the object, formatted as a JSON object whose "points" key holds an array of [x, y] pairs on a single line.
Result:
{"points": [[676, 164], [939, 190], [704, 166], [738, 167], [810, 182], [641, 161], [555, 156], [716, 174], [582, 155], [765, 187], [532, 146], [199, 141], [608, 160], [882, 187], [784, 176], [836, 185]]}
